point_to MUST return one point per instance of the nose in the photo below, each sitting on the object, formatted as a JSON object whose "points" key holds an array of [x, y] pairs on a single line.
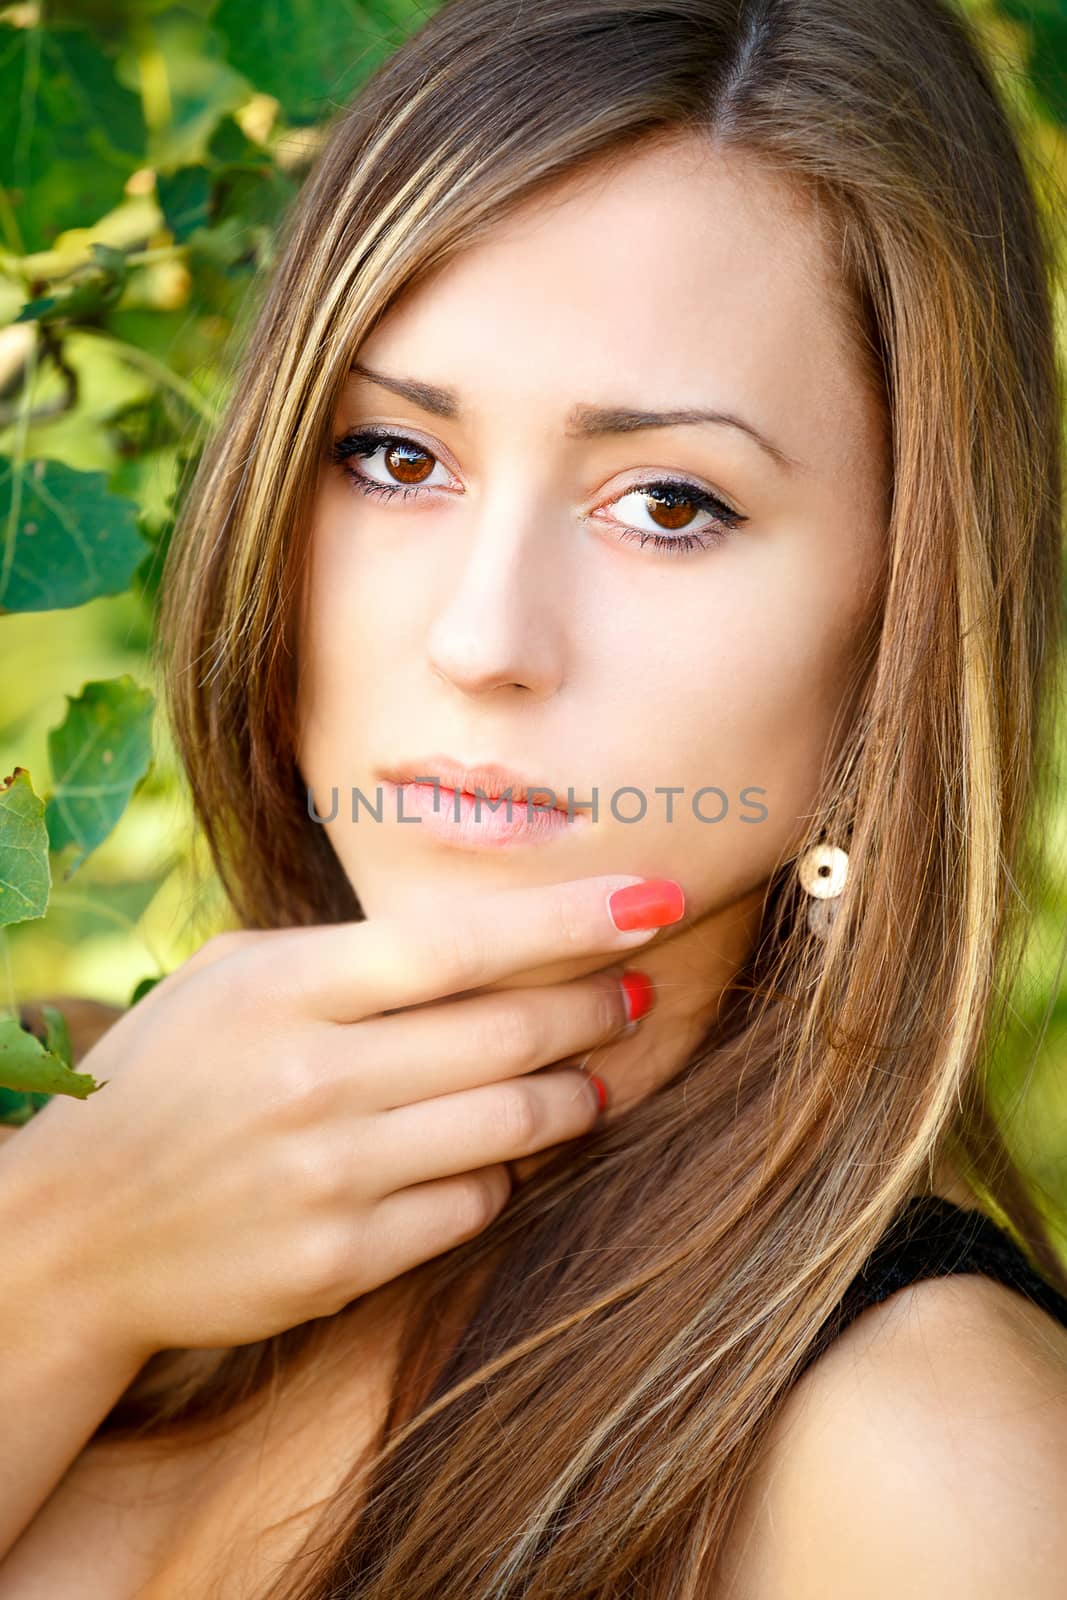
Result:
{"points": [[502, 626]]}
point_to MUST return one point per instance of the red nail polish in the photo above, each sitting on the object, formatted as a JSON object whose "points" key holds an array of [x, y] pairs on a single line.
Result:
{"points": [[652, 904], [601, 1090], [637, 993]]}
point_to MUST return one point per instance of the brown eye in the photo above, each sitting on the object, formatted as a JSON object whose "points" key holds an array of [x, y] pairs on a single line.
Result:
{"points": [[408, 463], [673, 504], [670, 510]]}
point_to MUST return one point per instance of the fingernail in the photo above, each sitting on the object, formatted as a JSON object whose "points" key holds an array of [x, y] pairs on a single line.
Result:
{"points": [[601, 1089], [636, 993], [652, 904]]}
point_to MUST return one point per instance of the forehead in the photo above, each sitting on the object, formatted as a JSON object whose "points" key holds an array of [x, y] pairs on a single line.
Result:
{"points": [[676, 271]]}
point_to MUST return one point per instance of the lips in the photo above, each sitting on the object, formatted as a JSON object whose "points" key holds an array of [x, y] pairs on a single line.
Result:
{"points": [[489, 779]]}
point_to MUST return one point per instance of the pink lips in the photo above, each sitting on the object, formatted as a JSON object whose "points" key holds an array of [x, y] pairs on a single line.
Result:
{"points": [[453, 812], [492, 779]]}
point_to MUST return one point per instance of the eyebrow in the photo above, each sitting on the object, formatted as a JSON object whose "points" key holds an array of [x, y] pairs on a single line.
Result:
{"points": [[583, 421]]}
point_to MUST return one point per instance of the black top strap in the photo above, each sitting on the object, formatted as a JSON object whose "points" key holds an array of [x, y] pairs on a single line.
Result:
{"points": [[932, 1237]]}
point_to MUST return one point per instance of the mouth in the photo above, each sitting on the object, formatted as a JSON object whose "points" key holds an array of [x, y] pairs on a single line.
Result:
{"points": [[490, 780], [486, 807]]}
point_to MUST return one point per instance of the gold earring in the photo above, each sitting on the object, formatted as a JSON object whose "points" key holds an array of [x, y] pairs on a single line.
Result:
{"points": [[823, 873]]}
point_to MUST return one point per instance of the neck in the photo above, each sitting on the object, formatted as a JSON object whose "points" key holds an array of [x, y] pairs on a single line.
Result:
{"points": [[690, 973]]}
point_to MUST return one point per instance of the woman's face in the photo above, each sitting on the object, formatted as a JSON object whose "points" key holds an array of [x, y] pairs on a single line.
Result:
{"points": [[526, 599]]}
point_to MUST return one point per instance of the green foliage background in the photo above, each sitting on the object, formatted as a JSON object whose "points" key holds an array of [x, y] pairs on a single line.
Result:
{"points": [[147, 153]]}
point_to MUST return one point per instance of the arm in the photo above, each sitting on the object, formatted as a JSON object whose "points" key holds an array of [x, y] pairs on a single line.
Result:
{"points": [[61, 1370]]}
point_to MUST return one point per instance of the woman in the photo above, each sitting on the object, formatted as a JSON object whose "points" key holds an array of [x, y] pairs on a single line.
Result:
{"points": [[657, 401]]}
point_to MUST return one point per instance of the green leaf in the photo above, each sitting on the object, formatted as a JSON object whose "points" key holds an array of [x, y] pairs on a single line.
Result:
{"points": [[75, 540], [237, 226], [149, 575], [70, 133], [226, 246], [17, 1108], [143, 988], [25, 878], [231, 146], [27, 1067], [1028, 10], [1046, 24], [254, 194], [57, 1034], [185, 199], [312, 57], [194, 86], [100, 908], [88, 292], [111, 16], [99, 753], [1048, 62]]}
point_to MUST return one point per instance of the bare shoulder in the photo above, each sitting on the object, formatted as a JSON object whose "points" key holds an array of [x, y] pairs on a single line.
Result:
{"points": [[924, 1453]]}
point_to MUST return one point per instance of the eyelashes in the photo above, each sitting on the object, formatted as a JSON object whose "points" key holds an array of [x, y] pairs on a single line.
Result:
{"points": [[668, 494]]}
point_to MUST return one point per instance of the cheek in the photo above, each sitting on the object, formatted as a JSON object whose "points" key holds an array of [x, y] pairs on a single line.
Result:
{"points": [[738, 683], [790, 684], [347, 620], [334, 647]]}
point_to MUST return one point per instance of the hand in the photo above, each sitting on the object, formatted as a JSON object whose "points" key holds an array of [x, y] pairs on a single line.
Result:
{"points": [[295, 1117]]}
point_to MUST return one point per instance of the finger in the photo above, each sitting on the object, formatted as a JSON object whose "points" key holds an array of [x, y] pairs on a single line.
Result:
{"points": [[348, 971], [478, 1127], [464, 1043], [419, 1222]]}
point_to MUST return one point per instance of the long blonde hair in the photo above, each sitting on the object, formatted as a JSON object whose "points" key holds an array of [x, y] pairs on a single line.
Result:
{"points": [[637, 1314]]}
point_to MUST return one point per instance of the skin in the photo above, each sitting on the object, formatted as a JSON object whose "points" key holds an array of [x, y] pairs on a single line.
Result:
{"points": [[499, 616], [920, 1456]]}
